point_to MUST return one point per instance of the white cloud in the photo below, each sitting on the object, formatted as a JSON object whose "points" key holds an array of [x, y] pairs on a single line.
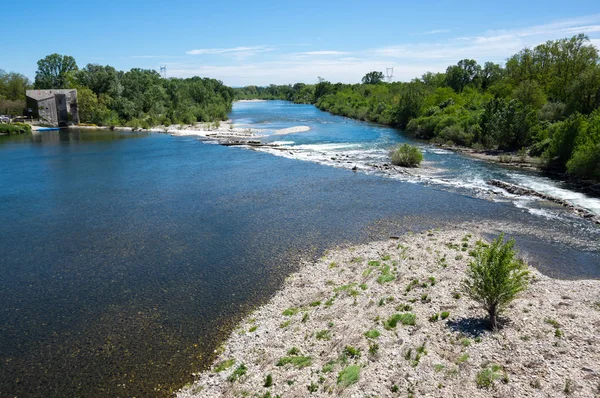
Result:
{"points": [[323, 53], [234, 50], [431, 32]]}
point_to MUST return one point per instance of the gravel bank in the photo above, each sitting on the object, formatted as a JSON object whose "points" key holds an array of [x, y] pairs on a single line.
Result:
{"points": [[310, 337]]}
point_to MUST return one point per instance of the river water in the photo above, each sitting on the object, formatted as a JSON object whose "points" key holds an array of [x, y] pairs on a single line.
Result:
{"points": [[125, 258]]}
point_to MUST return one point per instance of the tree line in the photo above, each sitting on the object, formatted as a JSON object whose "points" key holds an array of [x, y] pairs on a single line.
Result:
{"points": [[136, 98], [545, 100]]}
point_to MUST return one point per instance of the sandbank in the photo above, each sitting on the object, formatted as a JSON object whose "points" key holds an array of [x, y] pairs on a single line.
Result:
{"points": [[549, 345]]}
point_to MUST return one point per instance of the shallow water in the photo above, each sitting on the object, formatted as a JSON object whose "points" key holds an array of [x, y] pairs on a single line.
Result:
{"points": [[126, 257], [344, 142]]}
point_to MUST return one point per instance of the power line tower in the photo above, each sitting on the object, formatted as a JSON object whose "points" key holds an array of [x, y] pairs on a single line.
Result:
{"points": [[163, 71], [389, 74]]}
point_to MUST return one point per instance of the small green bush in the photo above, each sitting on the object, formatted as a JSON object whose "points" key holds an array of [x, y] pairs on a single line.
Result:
{"points": [[495, 277], [406, 155]]}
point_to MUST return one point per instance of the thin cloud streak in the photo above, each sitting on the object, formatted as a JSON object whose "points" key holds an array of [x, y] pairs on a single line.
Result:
{"points": [[233, 50], [431, 32]]}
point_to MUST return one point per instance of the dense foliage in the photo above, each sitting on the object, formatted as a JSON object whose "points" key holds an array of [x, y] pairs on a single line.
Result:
{"points": [[137, 98], [495, 277], [544, 99], [15, 128], [12, 92]]}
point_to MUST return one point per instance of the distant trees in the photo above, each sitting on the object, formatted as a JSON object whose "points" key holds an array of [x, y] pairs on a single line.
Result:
{"points": [[466, 72], [546, 99], [137, 98], [54, 71], [12, 92], [374, 77]]}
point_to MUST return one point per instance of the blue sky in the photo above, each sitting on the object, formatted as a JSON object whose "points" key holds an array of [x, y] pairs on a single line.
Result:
{"points": [[280, 42]]}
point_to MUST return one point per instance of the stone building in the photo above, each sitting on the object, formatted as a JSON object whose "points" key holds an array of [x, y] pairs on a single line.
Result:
{"points": [[53, 107]]}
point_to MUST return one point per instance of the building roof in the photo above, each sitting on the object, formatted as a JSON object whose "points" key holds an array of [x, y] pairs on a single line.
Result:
{"points": [[39, 95]]}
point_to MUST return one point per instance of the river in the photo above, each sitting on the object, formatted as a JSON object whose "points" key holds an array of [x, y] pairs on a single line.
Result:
{"points": [[125, 258]]}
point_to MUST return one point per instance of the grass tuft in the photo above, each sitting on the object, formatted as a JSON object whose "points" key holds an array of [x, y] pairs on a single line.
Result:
{"points": [[348, 376], [224, 365], [407, 318]]}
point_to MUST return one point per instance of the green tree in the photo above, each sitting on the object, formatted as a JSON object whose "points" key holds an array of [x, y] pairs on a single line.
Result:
{"points": [[495, 277], [100, 79], [466, 72], [491, 74], [54, 71], [13, 86], [373, 78], [530, 94]]}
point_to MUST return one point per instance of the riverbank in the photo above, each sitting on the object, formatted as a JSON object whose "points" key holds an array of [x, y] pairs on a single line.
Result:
{"points": [[327, 331]]}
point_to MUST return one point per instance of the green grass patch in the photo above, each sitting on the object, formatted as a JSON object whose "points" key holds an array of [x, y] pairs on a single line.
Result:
{"points": [[253, 329], [297, 361], [323, 335], [224, 365], [285, 324], [486, 377], [328, 367], [385, 278], [290, 311], [407, 318], [463, 358], [351, 352], [348, 376], [237, 373], [372, 334], [315, 304]]}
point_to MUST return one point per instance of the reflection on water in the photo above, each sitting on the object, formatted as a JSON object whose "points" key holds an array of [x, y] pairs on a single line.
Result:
{"points": [[124, 261]]}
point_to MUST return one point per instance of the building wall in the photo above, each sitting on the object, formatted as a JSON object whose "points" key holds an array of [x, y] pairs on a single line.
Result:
{"points": [[55, 107]]}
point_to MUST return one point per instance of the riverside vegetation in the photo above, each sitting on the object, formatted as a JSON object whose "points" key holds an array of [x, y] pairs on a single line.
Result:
{"points": [[136, 98], [338, 328], [545, 102]]}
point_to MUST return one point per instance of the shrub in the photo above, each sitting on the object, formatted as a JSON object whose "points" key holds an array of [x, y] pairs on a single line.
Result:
{"points": [[495, 277], [15, 128], [407, 155]]}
